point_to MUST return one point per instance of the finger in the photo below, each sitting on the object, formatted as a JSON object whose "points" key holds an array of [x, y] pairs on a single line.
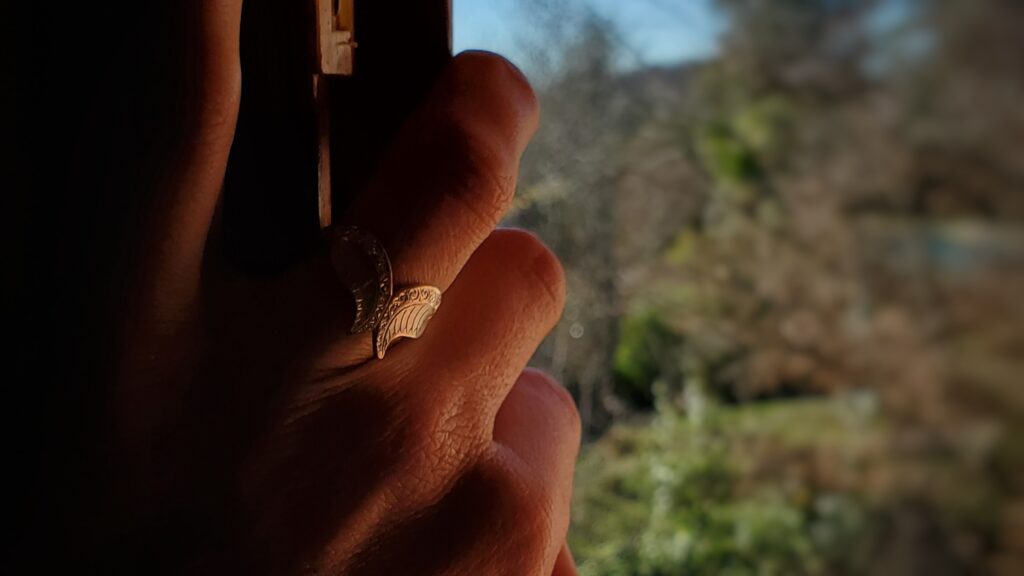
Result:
{"points": [[503, 304], [443, 187], [180, 216], [162, 310], [565, 565], [454, 379], [539, 423], [450, 384], [451, 175]]}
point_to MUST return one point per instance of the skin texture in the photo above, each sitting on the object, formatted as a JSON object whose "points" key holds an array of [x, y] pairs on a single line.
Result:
{"points": [[250, 432]]}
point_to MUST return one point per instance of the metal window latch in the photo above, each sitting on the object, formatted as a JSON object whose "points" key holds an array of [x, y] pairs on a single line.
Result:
{"points": [[335, 51]]}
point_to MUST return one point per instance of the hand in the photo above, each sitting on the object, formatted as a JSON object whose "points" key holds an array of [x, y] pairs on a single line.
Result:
{"points": [[255, 435]]}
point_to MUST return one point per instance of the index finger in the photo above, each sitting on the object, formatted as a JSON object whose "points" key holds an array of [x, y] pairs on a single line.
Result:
{"points": [[451, 175]]}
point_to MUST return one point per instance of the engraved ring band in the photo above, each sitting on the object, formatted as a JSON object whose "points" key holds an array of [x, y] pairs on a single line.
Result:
{"points": [[363, 265]]}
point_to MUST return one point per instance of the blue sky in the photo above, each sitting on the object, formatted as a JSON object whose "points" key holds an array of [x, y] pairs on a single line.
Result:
{"points": [[659, 31]]}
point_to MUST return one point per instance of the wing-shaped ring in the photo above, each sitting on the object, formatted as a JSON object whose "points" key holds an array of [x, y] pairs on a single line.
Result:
{"points": [[363, 265], [407, 316]]}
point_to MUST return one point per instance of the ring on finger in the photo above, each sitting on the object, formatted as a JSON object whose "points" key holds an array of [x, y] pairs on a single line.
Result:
{"points": [[363, 265]]}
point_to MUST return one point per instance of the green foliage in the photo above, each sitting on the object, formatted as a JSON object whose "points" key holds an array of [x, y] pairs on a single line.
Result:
{"points": [[763, 125], [645, 347], [728, 159], [773, 212], [684, 497]]}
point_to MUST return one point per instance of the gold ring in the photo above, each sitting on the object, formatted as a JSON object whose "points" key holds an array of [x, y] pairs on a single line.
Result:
{"points": [[363, 265]]}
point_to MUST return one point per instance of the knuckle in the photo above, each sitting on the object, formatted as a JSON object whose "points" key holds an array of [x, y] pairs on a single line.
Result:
{"points": [[484, 183], [550, 275], [439, 433], [494, 72], [439, 442], [546, 272], [488, 105], [521, 515], [561, 400]]}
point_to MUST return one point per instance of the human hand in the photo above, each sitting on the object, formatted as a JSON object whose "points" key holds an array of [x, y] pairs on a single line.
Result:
{"points": [[254, 434]]}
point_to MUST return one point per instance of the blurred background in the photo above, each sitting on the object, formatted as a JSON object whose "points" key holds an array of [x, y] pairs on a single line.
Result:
{"points": [[794, 237]]}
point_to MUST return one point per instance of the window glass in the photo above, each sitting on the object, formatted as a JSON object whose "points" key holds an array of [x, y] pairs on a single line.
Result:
{"points": [[795, 253]]}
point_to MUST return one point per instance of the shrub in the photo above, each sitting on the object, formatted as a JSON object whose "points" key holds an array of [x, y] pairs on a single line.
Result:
{"points": [[645, 350]]}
